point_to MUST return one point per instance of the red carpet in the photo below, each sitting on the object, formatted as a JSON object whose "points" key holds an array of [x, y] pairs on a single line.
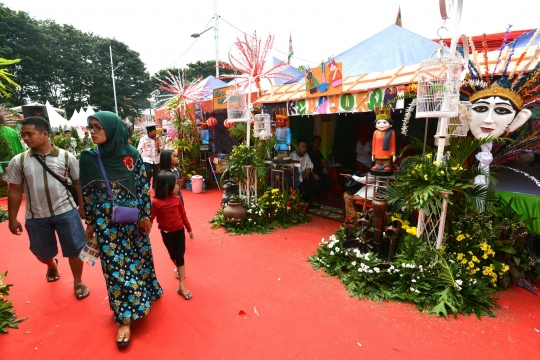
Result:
{"points": [[254, 297]]}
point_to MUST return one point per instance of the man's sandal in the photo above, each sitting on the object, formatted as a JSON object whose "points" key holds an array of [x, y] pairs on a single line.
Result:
{"points": [[185, 294], [81, 291], [53, 275]]}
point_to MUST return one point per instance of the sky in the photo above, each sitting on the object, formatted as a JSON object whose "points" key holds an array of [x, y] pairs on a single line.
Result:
{"points": [[159, 30]]}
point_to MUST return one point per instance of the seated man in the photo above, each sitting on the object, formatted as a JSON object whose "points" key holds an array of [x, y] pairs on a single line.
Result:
{"points": [[308, 186], [320, 170], [350, 200]]}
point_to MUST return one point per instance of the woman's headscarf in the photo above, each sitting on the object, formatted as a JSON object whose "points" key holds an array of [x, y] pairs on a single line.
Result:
{"points": [[115, 154]]}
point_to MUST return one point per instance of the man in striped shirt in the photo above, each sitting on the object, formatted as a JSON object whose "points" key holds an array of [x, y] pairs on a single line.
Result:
{"points": [[50, 208]]}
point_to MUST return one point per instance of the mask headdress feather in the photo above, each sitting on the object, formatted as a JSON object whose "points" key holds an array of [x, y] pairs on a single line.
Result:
{"points": [[521, 86]]}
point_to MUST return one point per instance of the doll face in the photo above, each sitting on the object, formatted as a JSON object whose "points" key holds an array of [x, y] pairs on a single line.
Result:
{"points": [[281, 122], [382, 125], [491, 116]]}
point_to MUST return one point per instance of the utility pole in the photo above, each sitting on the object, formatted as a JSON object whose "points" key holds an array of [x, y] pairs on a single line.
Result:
{"points": [[216, 36]]}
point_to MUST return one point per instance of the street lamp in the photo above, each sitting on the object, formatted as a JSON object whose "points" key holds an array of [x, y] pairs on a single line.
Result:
{"points": [[215, 27], [196, 35], [151, 101], [113, 83]]}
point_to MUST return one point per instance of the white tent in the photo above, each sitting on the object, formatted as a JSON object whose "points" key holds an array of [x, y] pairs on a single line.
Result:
{"points": [[55, 119], [89, 111], [74, 117], [18, 109]]}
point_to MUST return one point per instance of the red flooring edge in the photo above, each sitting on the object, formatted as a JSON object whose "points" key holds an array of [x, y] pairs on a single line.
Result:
{"points": [[254, 297]]}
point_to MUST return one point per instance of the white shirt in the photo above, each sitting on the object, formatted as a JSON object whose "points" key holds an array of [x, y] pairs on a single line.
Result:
{"points": [[45, 196], [305, 163], [149, 151], [362, 191]]}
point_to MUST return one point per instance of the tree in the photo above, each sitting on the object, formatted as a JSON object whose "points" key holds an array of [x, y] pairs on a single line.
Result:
{"points": [[70, 68], [204, 69]]}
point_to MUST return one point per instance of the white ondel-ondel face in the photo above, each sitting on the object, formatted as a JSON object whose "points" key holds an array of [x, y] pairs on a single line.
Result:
{"points": [[495, 116], [382, 125]]}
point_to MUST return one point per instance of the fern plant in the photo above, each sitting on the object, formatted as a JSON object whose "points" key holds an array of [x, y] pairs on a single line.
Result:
{"points": [[423, 183]]}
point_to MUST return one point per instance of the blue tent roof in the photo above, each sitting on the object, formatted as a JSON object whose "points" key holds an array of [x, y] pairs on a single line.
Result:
{"points": [[297, 75], [523, 41], [388, 49]]}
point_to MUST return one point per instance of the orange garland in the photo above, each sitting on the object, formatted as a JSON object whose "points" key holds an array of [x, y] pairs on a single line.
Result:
{"points": [[484, 44]]}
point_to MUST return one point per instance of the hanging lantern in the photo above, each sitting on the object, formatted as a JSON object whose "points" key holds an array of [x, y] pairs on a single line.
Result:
{"points": [[261, 127], [228, 124], [211, 122], [237, 106]]}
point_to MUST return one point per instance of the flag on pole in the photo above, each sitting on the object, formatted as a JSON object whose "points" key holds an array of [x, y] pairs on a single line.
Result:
{"points": [[398, 18], [291, 52]]}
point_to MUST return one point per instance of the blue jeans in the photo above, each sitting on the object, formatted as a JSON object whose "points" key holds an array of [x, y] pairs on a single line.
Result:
{"points": [[42, 233]]}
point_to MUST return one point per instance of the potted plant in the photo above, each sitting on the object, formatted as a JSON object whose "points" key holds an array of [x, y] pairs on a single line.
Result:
{"points": [[243, 156], [235, 211]]}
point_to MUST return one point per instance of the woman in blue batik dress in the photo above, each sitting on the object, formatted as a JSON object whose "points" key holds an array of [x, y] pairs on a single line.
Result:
{"points": [[125, 251]]}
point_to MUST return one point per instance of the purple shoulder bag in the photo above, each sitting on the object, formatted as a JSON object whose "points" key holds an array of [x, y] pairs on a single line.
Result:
{"points": [[120, 214]]}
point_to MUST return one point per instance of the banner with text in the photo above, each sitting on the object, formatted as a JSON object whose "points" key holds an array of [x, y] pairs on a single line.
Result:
{"points": [[220, 97], [348, 102]]}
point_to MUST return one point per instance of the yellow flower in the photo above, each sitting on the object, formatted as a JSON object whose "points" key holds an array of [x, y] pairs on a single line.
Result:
{"points": [[435, 162], [460, 256], [460, 168], [428, 156], [442, 172], [454, 168], [425, 177]]}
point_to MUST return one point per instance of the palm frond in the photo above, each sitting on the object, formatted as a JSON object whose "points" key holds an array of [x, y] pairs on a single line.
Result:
{"points": [[462, 147]]}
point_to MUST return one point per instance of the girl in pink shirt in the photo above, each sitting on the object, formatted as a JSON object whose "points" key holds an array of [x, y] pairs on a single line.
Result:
{"points": [[171, 217]]}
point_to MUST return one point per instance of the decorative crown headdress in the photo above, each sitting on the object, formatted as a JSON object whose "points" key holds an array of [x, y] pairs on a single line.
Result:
{"points": [[383, 112], [520, 87]]}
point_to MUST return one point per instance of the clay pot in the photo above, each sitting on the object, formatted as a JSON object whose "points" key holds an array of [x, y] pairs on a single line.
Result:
{"points": [[235, 212], [182, 182], [380, 207]]}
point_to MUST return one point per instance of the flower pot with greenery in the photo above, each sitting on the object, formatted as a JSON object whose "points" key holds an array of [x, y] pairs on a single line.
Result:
{"points": [[235, 211], [243, 156]]}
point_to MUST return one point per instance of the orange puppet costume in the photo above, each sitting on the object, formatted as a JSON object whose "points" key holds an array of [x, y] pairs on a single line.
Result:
{"points": [[383, 145], [377, 145]]}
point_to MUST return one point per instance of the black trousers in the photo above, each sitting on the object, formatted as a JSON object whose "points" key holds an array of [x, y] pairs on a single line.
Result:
{"points": [[312, 189], [152, 171], [175, 242]]}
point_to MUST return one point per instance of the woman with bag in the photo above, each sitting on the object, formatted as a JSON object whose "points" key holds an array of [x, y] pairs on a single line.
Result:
{"points": [[114, 187]]}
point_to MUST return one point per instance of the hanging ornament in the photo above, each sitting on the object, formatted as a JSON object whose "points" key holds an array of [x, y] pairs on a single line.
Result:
{"points": [[228, 124], [211, 122]]}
